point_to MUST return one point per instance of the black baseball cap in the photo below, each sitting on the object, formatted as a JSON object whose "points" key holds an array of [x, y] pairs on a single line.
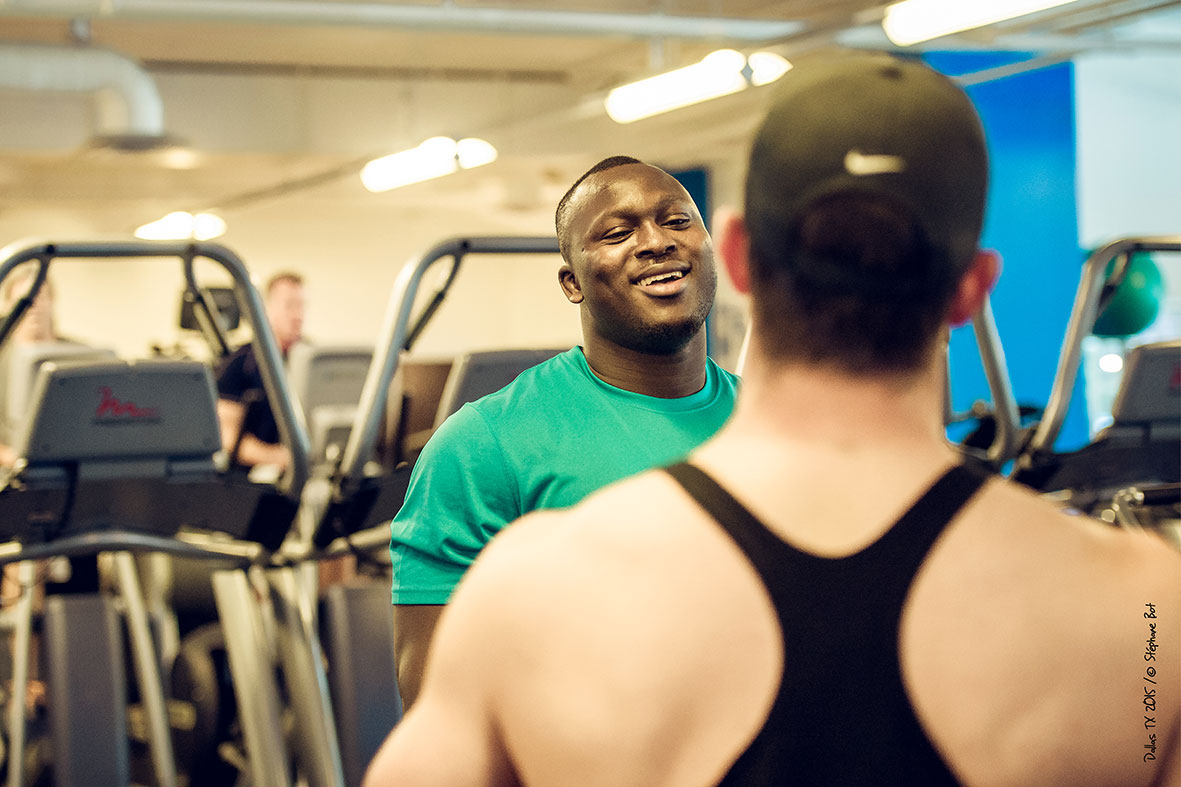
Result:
{"points": [[874, 124]]}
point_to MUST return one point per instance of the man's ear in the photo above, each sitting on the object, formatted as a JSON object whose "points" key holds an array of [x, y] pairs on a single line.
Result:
{"points": [[974, 286], [733, 245], [569, 283]]}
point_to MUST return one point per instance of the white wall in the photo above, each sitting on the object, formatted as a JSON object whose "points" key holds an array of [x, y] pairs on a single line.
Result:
{"points": [[1128, 120], [349, 264], [1128, 116], [348, 244]]}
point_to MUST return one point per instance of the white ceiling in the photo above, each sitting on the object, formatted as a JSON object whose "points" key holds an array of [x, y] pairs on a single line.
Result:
{"points": [[283, 100]]}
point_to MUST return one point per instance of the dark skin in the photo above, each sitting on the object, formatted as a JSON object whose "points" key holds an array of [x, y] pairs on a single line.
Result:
{"points": [[629, 224], [641, 270], [414, 624]]}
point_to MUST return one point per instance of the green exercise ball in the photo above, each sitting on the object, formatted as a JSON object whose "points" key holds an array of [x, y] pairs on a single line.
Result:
{"points": [[1135, 303]]}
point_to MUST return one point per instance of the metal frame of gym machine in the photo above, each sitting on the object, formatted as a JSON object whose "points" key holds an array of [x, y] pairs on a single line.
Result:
{"points": [[359, 500], [1094, 285], [1004, 406], [250, 623], [1035, 459]]}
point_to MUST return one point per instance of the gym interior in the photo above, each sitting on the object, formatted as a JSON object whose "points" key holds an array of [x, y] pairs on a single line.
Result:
{"points": [[257, 119]]}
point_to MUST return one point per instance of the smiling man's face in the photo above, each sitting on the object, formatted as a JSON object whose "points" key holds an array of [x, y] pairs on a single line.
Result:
{"points": [[641, 261]]}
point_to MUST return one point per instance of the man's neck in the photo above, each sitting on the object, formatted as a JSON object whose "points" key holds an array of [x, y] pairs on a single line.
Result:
{"points": [[805, 404], [664, 376]]}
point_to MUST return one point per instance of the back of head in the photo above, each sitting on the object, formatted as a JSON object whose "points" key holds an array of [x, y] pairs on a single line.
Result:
{"points": [[864, 201]]}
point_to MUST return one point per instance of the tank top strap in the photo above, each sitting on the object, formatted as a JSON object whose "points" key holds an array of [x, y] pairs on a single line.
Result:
{"points": [[747, 531], [914, 532], [839, 619]]}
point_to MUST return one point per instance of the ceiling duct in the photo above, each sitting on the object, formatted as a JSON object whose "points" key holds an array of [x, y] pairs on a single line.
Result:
{"points": [[447, 15], [130, 114]]}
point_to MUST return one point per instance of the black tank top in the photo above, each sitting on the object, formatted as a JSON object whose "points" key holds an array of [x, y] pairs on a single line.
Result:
{"points": [[842, 715]]}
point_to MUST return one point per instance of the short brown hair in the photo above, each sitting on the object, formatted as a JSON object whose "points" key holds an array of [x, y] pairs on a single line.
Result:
{"points": [[836, 321], [283, 276]]}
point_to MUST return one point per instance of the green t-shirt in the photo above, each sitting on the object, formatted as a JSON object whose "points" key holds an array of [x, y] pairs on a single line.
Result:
{"points": [[546, 440]]}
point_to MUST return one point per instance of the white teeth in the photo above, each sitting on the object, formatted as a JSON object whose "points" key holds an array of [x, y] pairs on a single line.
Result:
{"points": [[673, 276]]}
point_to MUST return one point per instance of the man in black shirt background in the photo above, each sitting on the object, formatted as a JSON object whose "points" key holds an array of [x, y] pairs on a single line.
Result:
{"points": [[248, 429]]}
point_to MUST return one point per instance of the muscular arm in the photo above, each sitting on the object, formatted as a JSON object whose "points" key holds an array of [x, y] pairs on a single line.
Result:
{"points": [[457, 499], [414, 625], [251, 451]]}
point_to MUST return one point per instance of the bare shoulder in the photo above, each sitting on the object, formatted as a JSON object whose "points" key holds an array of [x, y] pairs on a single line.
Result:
{"points": [[552, 580], [1090, 580], [624, 519], [1055, 607], [587, 623], [1100, 555], [557, 549]]}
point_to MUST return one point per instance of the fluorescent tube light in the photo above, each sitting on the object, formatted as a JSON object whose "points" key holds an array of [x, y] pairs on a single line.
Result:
{"points": [[432, 158], [766, 67], [718, 74], [912, 21], [472, 152], [207, 226], [181, 225]]}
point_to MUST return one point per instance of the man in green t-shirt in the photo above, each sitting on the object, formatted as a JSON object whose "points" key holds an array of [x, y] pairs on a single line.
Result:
{"points": [[638, 393]]}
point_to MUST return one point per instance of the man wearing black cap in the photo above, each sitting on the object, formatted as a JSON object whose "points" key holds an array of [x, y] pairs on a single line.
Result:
{"points": [[824, 594]]}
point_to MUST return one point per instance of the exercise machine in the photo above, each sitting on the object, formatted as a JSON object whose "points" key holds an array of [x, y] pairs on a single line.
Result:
{"points": [[364, 495], [124, 457], [1136, 460]]}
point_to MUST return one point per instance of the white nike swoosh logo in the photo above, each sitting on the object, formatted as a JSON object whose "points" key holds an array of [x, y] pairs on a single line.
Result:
{"points": [[858, 163]]}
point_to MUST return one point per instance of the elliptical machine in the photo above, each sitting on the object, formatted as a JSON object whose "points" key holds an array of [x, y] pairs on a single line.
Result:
{"points": [[1133, 467], [140, 470]]}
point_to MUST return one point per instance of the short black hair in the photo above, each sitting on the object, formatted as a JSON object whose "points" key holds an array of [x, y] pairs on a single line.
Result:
{"points": [[562, 214], [835, 321]]}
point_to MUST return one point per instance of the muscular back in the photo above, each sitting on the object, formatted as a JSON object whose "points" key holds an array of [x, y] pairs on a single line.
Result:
{"points": [[643, 649], [1023, 644]]}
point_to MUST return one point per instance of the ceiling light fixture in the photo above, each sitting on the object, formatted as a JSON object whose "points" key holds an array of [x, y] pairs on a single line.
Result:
{"points": [[766, 67], [432, 158], [718, 74], [181, 225], [178, 157], [912, 21]]}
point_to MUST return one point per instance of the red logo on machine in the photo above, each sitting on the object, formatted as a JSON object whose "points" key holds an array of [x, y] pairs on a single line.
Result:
{"points": [[1175, 381], [109, 406]]}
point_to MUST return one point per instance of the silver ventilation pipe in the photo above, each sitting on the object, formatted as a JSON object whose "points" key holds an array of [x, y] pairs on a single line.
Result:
{"points": [[130, 114]]}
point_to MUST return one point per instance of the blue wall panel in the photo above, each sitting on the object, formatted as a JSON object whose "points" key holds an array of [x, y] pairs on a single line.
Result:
{"points": [[1032, 221]]}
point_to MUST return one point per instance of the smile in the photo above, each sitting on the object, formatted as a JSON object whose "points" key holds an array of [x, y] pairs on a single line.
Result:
{"points": [[661, 277]]}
